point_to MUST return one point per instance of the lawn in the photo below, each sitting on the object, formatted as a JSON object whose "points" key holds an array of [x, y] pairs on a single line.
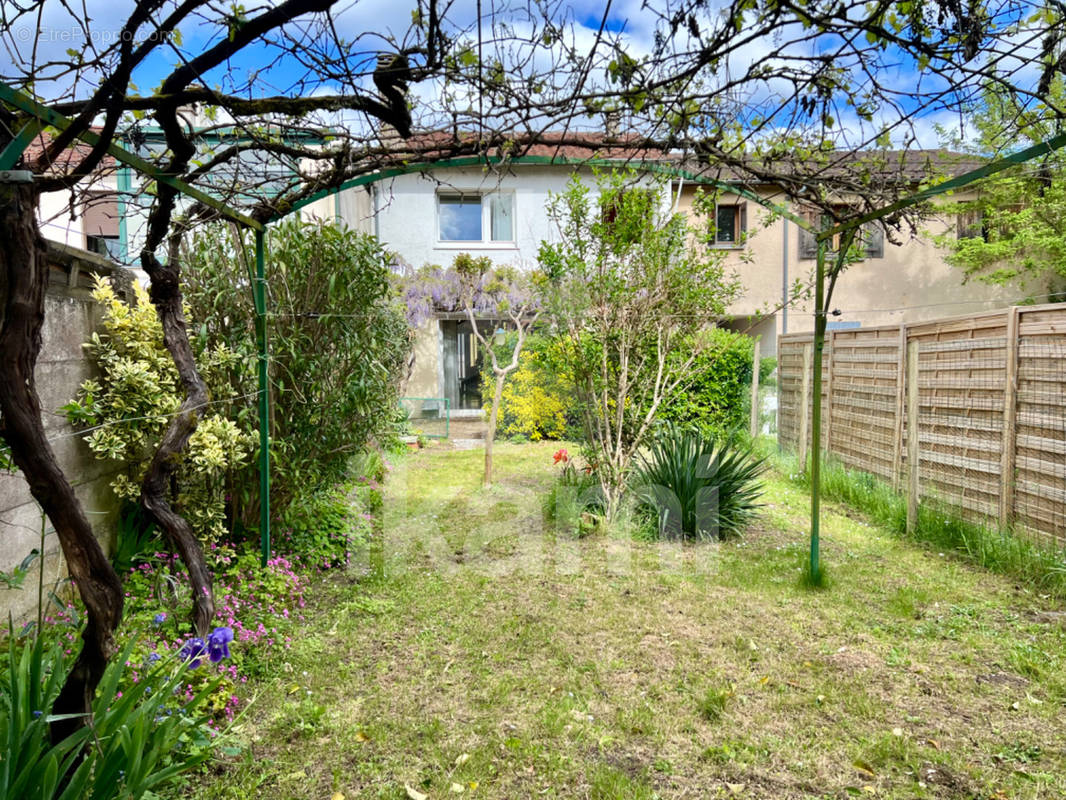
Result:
{"points": [[496, 659]]}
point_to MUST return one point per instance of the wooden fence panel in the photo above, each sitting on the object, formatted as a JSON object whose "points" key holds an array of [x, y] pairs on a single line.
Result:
{"points": [[864, 406], [789, 381], [961, 370], [1039, 478], [991, 419]]}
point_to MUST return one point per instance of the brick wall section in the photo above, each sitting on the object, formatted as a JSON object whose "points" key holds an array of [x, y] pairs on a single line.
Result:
{"points": [[71, 315]]}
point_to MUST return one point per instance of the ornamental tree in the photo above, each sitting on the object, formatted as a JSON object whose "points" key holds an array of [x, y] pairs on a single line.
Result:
{"points": [[497, 294], [632, 291]]}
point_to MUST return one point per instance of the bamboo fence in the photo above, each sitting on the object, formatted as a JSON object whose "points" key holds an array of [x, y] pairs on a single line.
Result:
{"points": [[984, 393]]}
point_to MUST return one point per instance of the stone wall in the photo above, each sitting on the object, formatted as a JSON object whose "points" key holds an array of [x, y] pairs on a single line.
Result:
{"points": [[71, 315]]}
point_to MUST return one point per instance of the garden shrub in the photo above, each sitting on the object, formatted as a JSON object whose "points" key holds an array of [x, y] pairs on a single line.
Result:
{"points": [[129, 406], [338, 344], [696, 487], [320, 531], [537, 399], [716, 399], [261, 605], [767, 366]]}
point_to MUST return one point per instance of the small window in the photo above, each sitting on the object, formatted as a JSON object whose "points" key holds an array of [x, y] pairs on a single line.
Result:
{"points": [[460, 218], [871, 236], [469, 217], [730, 224], [873, 241], [106, 246], [971, 225]]}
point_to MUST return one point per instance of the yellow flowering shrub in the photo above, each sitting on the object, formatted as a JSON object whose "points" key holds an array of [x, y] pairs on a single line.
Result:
{"points": [[128, 407]]}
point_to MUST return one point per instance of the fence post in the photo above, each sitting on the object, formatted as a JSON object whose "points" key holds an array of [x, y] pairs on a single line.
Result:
{"points": [[827, 414], [901, 409], [1009, 448], [912, 435], [804, 407], [755, 389]]}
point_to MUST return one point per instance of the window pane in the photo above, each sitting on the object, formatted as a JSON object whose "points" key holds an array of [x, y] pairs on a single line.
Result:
{"points": [[726, 223], [502, 217], [460, 218]]}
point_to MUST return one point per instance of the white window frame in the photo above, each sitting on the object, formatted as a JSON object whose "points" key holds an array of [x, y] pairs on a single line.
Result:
{"points": [[486, 221]]}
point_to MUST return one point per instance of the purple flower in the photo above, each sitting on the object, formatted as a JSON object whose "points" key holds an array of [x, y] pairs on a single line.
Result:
{"points": [[153, 657], [159, 619], [218, 643], [194, 652]]}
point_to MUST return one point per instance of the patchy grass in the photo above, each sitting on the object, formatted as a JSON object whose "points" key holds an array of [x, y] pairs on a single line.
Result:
{"points": [[1011, 553], [500, 659]]}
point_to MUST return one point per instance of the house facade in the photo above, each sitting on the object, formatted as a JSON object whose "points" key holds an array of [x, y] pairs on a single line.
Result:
{"points": [[902, 281], [428, 218], [92, 216]]}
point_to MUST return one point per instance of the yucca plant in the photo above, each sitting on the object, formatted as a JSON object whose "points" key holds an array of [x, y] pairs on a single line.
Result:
{"points": [[136, 741], [696, 487]]}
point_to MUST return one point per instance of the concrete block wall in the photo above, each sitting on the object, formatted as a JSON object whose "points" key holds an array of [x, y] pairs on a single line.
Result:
{"points": [[71, 315]]}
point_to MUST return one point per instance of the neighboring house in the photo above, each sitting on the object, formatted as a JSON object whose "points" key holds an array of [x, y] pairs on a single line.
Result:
{"points": [[907, 281], [428, 217], [90, 217]]}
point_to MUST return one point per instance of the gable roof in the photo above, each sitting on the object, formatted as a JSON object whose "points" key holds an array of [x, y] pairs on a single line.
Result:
{"points": [[69, 158], [880, 165]]}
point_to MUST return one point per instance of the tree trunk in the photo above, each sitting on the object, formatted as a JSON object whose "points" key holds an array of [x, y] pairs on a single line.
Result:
{"points": [[23, 281], [490, 433], [166, 297]]}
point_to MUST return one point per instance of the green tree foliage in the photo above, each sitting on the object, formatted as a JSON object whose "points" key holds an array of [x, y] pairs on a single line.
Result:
{"points": [[715, 398], [1015, 227], [629, 285], [337, 343]]}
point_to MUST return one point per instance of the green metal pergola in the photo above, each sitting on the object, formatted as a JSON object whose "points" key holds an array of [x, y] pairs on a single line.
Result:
{"points": [[41, 116], [847, 231]]}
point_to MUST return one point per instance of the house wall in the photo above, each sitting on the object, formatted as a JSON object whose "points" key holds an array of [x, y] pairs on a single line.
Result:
{"points": [[425, 373], [407, 212], [911, 283], [406, 223], [56, 222], [59, 222], [352, 206], [71, 316]]}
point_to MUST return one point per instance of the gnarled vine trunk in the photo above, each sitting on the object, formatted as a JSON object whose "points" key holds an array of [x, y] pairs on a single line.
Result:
{"points": [[166, 297], [23, 281]]}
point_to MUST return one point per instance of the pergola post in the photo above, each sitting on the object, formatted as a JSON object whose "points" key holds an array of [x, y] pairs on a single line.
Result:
{"points": [[816, 411], [821, 302], [260, 297]]}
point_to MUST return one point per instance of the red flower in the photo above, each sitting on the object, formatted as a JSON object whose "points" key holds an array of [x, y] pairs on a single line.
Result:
{"points": [[561, 455]]}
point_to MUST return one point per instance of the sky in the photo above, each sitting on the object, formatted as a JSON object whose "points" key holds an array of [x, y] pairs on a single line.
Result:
{"points": [[50, 37]]}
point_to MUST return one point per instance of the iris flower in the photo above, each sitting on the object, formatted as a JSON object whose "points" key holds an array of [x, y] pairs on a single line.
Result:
{"points": [[194, 652], [218, 644]]}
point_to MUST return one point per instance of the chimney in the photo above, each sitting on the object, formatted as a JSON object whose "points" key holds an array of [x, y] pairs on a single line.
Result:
{"points": [[612, 122]]}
